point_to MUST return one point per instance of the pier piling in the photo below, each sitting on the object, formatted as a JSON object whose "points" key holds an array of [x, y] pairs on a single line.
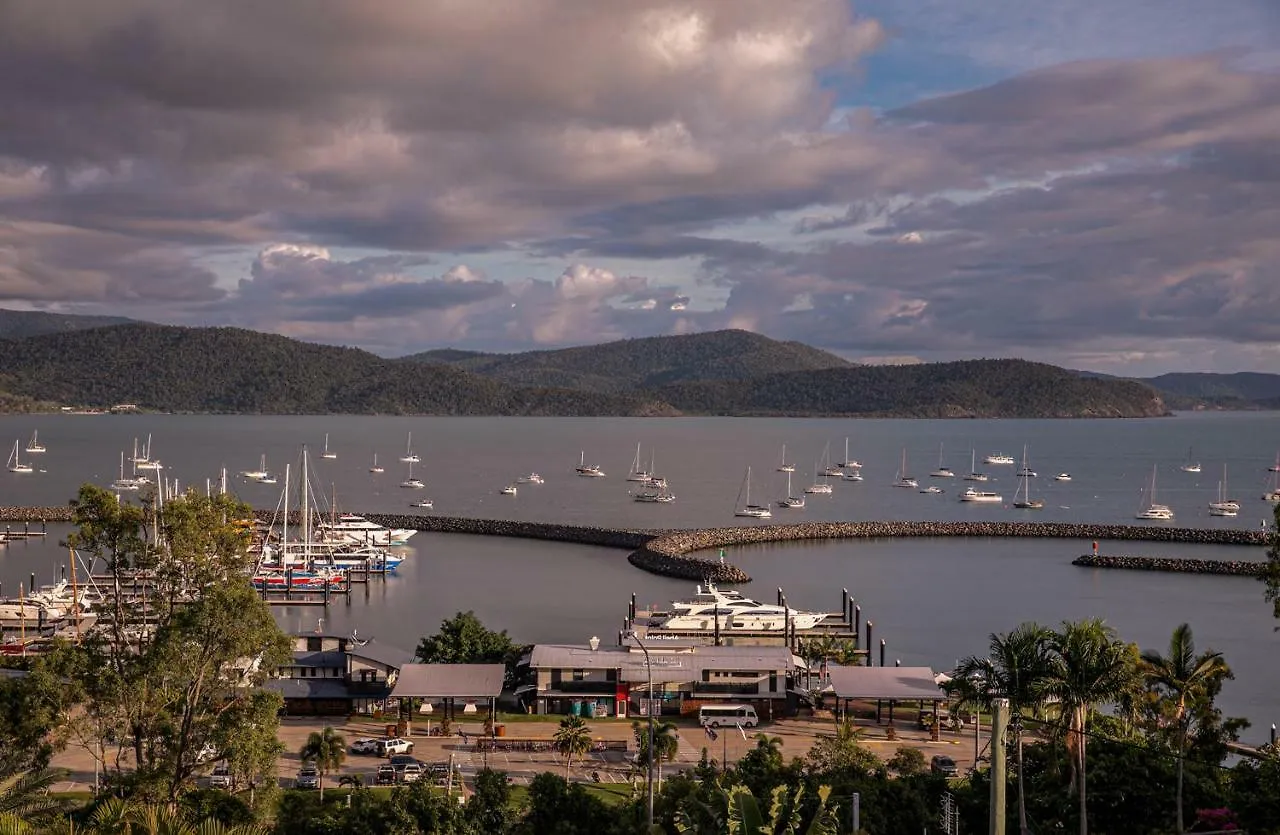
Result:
{"points": [[882, 652], [870, 660], [857, 624]]}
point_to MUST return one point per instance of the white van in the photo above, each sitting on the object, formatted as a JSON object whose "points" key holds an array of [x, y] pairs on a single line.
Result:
{"points": [[728, 715]]}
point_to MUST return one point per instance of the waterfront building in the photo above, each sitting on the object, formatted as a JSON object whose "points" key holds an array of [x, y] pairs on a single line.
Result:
{"points": [[337, 675]]}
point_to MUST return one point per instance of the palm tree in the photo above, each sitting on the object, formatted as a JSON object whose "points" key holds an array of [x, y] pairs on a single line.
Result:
{"points": [[737, 812], [1089, 666], [1183, 676], [25, 802], [1016, 668], [573, 737], [666, 744], [328, 750]]}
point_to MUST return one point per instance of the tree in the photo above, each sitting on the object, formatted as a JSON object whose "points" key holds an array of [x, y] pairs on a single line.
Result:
{"points": [[1182, 675], [463, 639], [1015, 668], [327, 749], [572, 737], [25, 803], [1271, 571], [666, 745], [1089, 666], [908, 761], [30, 709], [179, 668], [737, 812], [841, 751], [489, 806]]}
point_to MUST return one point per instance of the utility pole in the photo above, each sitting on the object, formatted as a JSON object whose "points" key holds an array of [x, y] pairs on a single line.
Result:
{"points": [[856, 812], [999, 777]]}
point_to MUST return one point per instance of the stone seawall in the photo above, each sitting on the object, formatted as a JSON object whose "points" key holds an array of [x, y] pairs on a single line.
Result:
{"points": [[1235, 568], [35, 514]]}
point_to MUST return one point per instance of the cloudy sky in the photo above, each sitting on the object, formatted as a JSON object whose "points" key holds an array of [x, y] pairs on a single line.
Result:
{"points": [[1094, 183]]}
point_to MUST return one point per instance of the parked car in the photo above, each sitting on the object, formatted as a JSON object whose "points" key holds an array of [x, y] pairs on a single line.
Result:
{"points": [[365, 745], [221, 777], [308, 778], [399, 761], [395, 745], [412, 773], [943, 765], [386, 775]]}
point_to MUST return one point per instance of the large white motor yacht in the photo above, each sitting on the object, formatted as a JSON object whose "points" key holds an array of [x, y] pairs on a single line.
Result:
{"points": [[349, 527], [999, 458], [980, 496], [735, 612]]}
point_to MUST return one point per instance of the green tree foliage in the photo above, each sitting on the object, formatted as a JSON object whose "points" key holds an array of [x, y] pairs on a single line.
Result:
{"points": [[25, 803], [573, 739], [1271, 573], [176, 674], [327, 750], [557, 807], [842, 751], [489, 808], [908, 762], [463, 639]]}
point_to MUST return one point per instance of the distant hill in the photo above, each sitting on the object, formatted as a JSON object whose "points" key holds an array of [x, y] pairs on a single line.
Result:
{"points": [[20, 324], [973, 389], [1241, 390], [647, 363], [226, 370]]}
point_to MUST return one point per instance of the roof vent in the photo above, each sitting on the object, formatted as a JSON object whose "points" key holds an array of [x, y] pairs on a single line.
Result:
{"points": [[594, 643]]}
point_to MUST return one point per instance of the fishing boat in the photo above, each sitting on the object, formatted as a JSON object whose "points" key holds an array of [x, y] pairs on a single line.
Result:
{"points": [[326, 453], [15, 464], [747, 509], [34, 447]]}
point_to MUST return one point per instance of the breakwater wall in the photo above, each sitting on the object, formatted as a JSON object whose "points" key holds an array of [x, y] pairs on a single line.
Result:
{"points": [[1235, 568], [35, 514]]}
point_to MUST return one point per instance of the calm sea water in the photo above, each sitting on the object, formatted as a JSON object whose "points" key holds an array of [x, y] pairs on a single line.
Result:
{"points": [[933, 601]]}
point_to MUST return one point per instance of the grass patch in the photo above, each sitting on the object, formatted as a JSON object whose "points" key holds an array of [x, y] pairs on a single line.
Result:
{"points": [[613, 794]]}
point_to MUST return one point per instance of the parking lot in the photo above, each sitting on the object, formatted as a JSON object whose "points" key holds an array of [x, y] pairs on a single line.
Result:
{"points": [[610, 766]]}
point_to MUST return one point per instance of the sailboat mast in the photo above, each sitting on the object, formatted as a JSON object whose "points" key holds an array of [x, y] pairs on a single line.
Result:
{"points": [[284, 527]]}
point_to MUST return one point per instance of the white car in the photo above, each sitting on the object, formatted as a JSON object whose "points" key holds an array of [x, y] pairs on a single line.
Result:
{"points": [[412, 773], [221, 777], [395, 745], [365, 745]]}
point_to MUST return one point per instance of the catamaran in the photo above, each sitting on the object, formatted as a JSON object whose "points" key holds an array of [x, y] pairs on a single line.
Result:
{"points": [[327, 453], [747, 509], [133, 482], [34, 447], [1154, 511], [942, 471], [148, 460], [16, 465], [409, 456], [1224, 506], [411, 483], [638, 472]]}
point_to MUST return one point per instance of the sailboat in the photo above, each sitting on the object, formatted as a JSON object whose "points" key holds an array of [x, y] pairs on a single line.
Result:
{"points": [[827, 468], [1192, 466], [148, 461], [974, 475], [819, 487], [791, 501], [638, 472], [747, 509], [1275, 468], [941, 472], [262, 474], [849, 463], [411, 483], [587, 470], [123, 483], [34, 447], [409, 457], [375, 468], [1026, 502], [15, 465], [327, 453], [784, 467], [1153, 510], [1273, 495], [1224, 506], [905, 480]]}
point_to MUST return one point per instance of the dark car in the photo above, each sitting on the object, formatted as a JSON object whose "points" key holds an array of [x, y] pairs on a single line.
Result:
{"points": [[943, 765], [386, 775]]}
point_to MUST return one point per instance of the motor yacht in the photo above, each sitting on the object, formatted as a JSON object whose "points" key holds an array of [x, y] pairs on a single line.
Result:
{"points": [[931, 489], [531, 478], [999, 459], [851, 475], [423, 503], [654, 497], [980, 496], [509, 490], [358, 530], [413, 484], [1062, 477], [734, 611]]}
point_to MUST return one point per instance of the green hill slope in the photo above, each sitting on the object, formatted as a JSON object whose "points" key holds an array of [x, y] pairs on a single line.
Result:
{"points": [[647, 363], [21, 324], [973, 388]]}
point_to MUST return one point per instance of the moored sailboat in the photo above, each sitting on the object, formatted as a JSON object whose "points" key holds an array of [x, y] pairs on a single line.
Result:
{"points": [[747, 509]]}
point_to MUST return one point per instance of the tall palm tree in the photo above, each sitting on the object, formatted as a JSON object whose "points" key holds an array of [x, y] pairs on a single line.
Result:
{"points": [[1015, 668], [573, 737], [327, 749], [666, 744], [25, 802], [1089, 666], [1183, 676]]}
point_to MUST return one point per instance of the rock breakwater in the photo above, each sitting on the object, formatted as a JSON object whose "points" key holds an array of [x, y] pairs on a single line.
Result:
{"points": [[1237, 568], [35, 514]]}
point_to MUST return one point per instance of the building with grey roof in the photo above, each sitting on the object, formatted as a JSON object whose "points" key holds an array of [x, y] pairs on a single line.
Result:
{"points": [[333, 674], [615, 681]]}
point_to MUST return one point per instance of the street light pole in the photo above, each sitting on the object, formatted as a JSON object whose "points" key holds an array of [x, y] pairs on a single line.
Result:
{"points": [[649, 714]]}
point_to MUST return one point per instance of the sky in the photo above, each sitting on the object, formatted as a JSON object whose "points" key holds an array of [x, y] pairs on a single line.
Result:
{"points": [[1093, 184]]}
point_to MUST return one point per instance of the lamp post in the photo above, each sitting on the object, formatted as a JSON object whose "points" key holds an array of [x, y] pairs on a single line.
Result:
{"points": [[649, 714]]}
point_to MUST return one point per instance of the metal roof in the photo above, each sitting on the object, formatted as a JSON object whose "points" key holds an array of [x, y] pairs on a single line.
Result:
{"points": [[669, 663], [309, 688], [450, 681], [900, 683], [329, 658], [380, 653]]}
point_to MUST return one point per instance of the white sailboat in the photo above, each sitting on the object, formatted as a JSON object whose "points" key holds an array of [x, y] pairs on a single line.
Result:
{"points": [[34, 447], [849, 463], [784, 467], [638, 472], [375, 468], [15, 464], [411, 483], [819, 488], [791, 501], [122, 483], [974, 475], [409, 457], [587, 470], [326, 453], [747, 509], [1154, 511], [261, 474], [828, 469], [1026, 502], [143, 458], [1224, 506], [148, 461], [1273, 495], [942, 471], [905, 480], [1191, 465]]}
